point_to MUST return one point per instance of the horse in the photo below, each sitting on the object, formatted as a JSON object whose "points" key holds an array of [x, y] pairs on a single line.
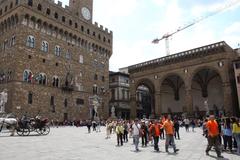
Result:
{"points": [[9, 124]]}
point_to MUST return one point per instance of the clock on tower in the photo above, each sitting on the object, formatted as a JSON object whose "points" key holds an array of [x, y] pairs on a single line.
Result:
{"points": [[82, 8]]}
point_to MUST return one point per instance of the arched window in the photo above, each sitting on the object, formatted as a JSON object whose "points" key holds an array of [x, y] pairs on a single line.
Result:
{"points": [[70, 22], [41, 78], [55, 81], [82, 28], [76, 25], [39, 7], [68, 55], [27, 76], [95, 88], [17, 1], [30, 2], [57, 50], [30, 41], [44, 46], [63, 19], [48, 12], [11, 5], [56, 15]]}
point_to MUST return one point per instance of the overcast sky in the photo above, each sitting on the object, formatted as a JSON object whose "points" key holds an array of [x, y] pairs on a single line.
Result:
{"points": [[135, 23]]}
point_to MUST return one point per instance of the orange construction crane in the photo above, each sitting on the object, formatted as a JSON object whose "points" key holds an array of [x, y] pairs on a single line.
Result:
{"points": [[167, 35]]}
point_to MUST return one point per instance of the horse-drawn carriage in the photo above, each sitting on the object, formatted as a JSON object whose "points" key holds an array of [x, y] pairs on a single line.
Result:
{"points": [[24, 126]]}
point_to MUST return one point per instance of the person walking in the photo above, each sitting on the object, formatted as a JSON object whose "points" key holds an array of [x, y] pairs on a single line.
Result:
{"points": [[186, 123], [193, 125], [176, 128], [135, 133], [236, 133], [125, 135], [169, 128], [144, 134], [89, 124], [227, 134], [213, 136], [108, 128], [119, 132], [155, 132]]}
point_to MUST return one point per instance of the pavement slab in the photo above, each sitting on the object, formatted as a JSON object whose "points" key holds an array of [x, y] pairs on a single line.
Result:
{"points": [[72, 143]]}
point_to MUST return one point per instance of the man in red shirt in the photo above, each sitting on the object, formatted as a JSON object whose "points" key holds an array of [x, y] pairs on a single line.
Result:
{"points": [[213, 134], [155, 132]]}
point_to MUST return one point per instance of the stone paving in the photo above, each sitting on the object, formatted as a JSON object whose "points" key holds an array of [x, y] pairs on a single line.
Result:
{"points": [[71, 143]]}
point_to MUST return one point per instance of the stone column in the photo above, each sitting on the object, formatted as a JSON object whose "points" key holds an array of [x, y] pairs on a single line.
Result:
{"points": [[158, 109], [189, 101], [227, 99], [133, 106]]}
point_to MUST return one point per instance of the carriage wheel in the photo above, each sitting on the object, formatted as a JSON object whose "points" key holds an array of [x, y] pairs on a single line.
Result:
{"points": [[45, 130], [39, 131], [26, 131], [23, 131], [19, 131]]}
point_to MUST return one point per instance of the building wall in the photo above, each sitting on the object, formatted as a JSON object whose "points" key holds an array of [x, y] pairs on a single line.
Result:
{"points": [[81, 38], [217, 57]]}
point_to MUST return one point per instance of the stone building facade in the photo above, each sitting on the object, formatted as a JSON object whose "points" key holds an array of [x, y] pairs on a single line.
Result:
{"points": [[236, 66], [189, 82], [53, 58], [119, 89]]}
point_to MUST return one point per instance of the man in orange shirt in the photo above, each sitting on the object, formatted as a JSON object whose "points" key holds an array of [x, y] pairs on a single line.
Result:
{"points": [[155, 132], [213, 134], [169, 128]]}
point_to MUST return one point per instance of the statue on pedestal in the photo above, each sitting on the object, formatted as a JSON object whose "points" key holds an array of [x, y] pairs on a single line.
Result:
{"points": [[206, 107], [113, 112], [3, 100]]}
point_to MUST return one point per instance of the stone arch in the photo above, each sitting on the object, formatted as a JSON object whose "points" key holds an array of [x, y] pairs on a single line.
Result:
{"points": [[204, 67], [170, 74], [145, 99], [172, 91], [147, 82], [207, 91]]}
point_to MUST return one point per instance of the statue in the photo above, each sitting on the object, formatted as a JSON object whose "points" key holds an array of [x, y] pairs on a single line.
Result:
{"points": [[3, 100], [206, 107], [95, 110], [113, 112], [95, 107]]}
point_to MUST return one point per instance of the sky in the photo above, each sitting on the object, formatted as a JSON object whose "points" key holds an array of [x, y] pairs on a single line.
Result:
{"points": [[135, 23]]}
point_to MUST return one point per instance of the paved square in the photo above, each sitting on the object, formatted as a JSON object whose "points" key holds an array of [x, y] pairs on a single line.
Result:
{"points": [[71, 143]]}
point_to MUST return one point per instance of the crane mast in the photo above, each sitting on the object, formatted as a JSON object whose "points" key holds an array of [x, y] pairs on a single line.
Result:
{"points": [[167, 35]]}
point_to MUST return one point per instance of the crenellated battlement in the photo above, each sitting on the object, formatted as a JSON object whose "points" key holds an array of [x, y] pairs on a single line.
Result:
{"points": [[65, 15]]}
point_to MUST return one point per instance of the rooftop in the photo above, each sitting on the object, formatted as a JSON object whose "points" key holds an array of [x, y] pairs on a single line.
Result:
{"points": [[183, 56]]}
